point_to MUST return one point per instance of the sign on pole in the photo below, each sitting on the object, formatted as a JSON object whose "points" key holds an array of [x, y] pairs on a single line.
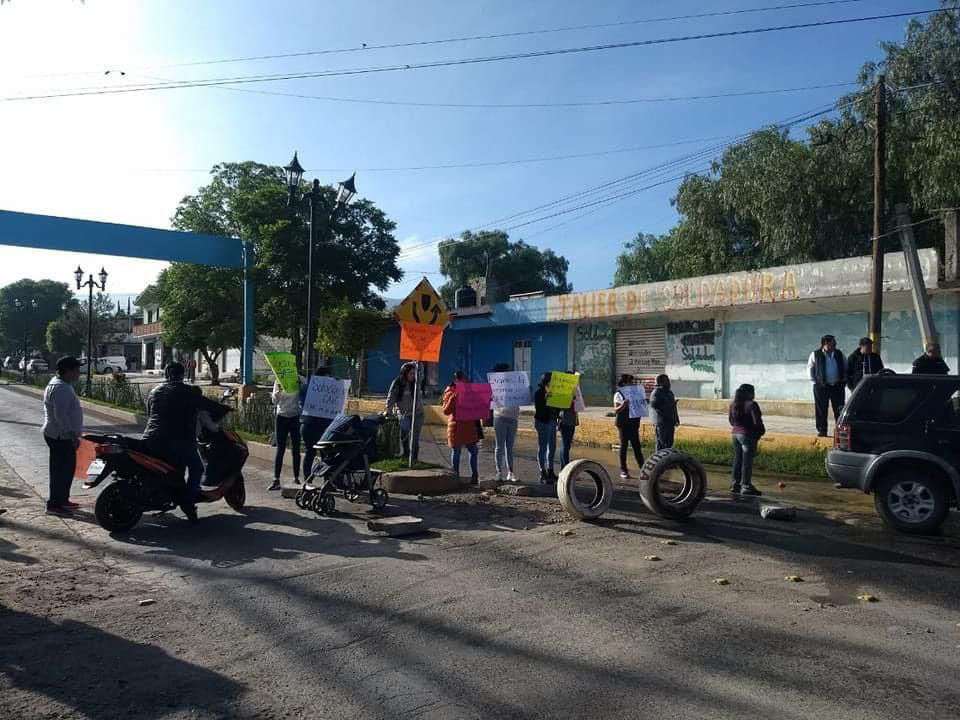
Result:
{"points": [[326, 397], [509, 389], [284, 366], [420, 342], [423, 306], [562, 388], [473, 401], [637, 397]]}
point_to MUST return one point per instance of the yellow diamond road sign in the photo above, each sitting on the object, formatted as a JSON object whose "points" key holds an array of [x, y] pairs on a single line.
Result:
{"points": [[423, 306]]}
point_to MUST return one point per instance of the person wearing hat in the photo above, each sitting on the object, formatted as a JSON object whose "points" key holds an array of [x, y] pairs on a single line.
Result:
{"points": [[62, 425], [828, 373], [862, 361]]}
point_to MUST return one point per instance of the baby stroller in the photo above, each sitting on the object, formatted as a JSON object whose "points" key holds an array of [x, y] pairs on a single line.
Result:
{"points": [[345, 451]]}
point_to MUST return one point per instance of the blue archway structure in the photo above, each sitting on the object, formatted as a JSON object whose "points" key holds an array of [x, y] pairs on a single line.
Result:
{"points": [[47, 232]]}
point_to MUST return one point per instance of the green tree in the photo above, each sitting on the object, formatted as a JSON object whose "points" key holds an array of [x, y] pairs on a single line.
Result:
{"points": [[349, 331], [67, 335], [512, 267], [51, 296]]}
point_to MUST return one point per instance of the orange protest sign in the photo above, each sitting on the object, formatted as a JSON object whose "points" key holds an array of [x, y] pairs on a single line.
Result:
{"points": [[86, 454], [420, 342]]}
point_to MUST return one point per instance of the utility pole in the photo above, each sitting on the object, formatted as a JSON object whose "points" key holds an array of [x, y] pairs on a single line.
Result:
{"points": [[879, 196], [921, 301]]}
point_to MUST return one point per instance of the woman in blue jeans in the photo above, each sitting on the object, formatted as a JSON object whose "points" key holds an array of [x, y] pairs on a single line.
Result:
{"points": [[505, 422], [746, 429], [545, 422]]}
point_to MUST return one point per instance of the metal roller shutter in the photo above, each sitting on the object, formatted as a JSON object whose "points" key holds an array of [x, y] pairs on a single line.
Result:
{"points": [[641, 352]]}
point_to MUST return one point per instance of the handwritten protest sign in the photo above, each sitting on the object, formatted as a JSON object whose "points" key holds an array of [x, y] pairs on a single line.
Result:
{"points": [[578, 404], [326, 397], [509, 389], [473, 401], [284, 366], [562, 388], [637, 398], [420, 342]]}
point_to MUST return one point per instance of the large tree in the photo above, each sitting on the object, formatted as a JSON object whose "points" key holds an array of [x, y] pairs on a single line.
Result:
{"points": [[774, 199], [356, 253], [349, 331], [50, 298], [511, 266], [67, 335]]}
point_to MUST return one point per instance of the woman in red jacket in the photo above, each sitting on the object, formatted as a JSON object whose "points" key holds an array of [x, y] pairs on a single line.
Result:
{"points": [[460, 433]]}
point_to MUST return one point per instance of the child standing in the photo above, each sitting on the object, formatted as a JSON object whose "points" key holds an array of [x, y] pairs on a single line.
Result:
{"points": [[663, 412]]}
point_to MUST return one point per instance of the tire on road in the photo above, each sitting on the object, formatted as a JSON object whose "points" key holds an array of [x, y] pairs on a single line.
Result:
{"points": [[566, 489], [115, 511], [682, 504], [915, 502]]}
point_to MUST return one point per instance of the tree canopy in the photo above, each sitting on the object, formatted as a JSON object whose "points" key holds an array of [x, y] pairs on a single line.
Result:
{"points": [[349, 331], [773, 200], [514, 266], [67, 335], [51, 296]]}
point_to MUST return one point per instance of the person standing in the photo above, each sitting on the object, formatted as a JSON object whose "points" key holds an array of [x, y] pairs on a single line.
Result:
{"points": [[311, 428], [627, 427], [400, 399], [828, 370], [746, 429], [567, 422], [460, 433], [505, 422], [545, 423], [286, 424], [62, 425], [862, 361], [192, 370], [931, 362], [663, 412]]}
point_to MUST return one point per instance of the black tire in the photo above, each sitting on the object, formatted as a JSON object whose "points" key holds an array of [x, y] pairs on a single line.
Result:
{"points": [[236, 496], [300, 499], [580, 470], [379, 499], [326, 504], [115, 511], [914, 502], [681, 505]]}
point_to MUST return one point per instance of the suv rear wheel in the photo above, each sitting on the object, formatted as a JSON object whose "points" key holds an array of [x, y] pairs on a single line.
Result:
{"points": [[912, 502]]}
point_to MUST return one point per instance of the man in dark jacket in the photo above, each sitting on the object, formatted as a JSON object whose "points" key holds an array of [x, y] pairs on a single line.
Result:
{"points": [[828, 372], [862, 361], [171, 431], [931, 362]]}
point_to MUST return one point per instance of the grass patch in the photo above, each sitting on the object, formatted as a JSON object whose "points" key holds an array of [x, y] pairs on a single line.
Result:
{"points": [[396, 464], [252, 437], [808, 462]]}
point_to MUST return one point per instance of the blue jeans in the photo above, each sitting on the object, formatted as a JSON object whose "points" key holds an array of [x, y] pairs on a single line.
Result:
{"points": [[455, 459], [546, 444], [744, 448], [566, 442], [505, 430]]}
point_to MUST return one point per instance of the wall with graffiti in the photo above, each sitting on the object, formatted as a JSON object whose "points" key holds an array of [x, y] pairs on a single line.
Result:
{"points": [[691, 352]]}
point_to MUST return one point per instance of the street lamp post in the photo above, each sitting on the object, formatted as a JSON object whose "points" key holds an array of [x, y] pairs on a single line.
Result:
{"points": [[24, 308], [90, 284], [312, 203]]}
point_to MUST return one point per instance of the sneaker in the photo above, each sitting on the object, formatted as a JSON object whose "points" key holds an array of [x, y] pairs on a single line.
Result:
{"points": [[734, 489], [751, 491], [59, 510], [71, 505], [274, 486], [543, 477], [624, 475], [511, 478]]}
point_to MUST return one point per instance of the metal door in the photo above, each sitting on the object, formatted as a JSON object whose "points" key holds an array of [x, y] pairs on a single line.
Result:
{"points": [[641, 352], [523, 355]]}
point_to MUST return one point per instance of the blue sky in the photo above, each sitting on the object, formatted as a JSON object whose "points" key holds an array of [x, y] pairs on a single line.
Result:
{"points": [[131, 157]]}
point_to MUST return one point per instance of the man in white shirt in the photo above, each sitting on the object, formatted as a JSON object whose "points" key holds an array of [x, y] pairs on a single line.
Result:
{"points": [[62, 425], [828, 373]]}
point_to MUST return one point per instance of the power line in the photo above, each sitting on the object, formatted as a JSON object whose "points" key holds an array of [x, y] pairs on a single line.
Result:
{"points": [[107, 90]]}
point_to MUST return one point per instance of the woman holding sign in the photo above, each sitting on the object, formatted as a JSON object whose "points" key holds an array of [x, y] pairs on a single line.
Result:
{"points": [[628, 423], [286, 424], [545, 423], [505, 420], [400, 399], [460, 433]]}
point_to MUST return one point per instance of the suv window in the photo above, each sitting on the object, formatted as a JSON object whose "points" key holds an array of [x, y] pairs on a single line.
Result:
{"points": [[890, 402]]}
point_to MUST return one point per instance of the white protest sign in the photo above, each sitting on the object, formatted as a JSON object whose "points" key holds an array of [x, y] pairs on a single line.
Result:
{"points": [[510, 389], [637, 397], [326, 397], [578, 404]]}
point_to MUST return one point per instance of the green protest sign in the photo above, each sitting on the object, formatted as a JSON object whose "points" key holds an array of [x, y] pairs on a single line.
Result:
{"points": [[284, 366], [563, 386]]}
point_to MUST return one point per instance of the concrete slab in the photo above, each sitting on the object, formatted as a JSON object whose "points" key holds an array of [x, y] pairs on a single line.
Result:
{"points": [[421, 482], [397, 526]]}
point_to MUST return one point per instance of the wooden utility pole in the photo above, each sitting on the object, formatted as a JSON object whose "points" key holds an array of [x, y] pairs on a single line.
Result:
{"points": [[879, 195]]}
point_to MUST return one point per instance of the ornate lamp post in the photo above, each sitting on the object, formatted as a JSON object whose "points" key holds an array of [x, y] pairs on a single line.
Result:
{"points": [[25, 308], [311, 206], [90, 284]]}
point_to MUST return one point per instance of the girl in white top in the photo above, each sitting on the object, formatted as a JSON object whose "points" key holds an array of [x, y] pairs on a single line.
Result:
{"points": [[286, 424]]}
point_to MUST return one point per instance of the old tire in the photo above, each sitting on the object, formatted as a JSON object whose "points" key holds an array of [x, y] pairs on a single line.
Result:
{"points": [[914, 502], [585, 470], [236, 496], [673, 505], [115, 511]]}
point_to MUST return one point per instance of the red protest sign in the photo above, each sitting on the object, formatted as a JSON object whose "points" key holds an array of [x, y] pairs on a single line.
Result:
{"points": [[473, 401]]}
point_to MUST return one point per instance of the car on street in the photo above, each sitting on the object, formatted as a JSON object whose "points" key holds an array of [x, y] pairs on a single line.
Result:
{"points": [[110, 364], [898, 438], [34, 366]]}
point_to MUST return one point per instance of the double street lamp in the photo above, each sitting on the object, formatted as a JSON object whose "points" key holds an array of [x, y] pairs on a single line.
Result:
{"points": [[90, 284], [25, 308], [311, 205]]}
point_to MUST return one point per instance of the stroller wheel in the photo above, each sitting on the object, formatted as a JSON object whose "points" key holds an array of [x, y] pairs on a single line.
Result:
{"points": [[378, 498], [327, 504], [300, 499]]}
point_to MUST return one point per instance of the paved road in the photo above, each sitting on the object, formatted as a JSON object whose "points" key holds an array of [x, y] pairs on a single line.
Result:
{"points": [[276, 613]]}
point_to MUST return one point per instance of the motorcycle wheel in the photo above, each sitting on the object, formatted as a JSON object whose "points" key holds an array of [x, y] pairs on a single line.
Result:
{"points": [[115, 512], [236, 496], [378, 499]]}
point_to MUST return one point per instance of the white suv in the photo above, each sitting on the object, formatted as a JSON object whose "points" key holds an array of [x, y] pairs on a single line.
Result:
{"points": [[110, 364]]}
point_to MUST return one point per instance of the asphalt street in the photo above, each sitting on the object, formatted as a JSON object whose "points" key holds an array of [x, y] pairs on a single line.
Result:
{"points": [[506, 609]]}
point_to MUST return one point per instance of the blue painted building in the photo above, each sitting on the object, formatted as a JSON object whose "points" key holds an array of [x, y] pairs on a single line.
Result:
{"points": [[710, 334]]}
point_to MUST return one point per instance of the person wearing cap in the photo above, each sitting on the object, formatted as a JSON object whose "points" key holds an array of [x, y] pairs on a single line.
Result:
{"points": [[828, 373], [62, 425], [862, 361], [931, 362]]}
